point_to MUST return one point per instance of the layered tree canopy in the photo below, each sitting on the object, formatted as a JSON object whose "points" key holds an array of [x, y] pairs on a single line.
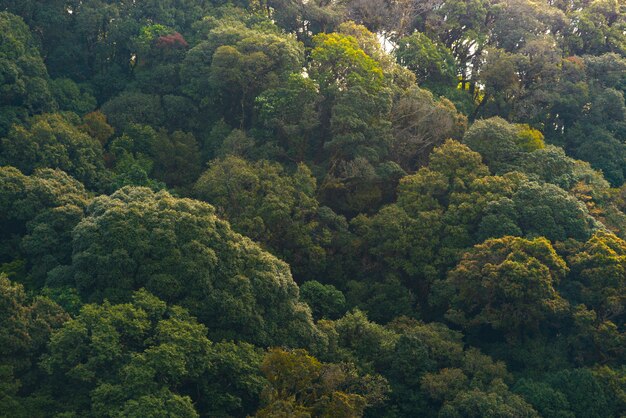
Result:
{"points": [[308, 208]]}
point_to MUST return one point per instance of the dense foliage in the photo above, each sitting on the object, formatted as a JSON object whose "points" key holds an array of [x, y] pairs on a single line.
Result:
{"points": [[306, 208]]}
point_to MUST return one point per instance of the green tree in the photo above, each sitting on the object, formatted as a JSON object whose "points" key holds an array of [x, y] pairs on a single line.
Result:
{"points": [[147, 109], [134, 359], [583, 391], [176, 158], [501, 143], [431, 62], [463, 27], [180, 251], [596, 284], [545, 399], [291, 115], [600, 279], [597, 29], [300, 385], [382, 301], [37, 215], [426, 366], [307, 18], [508, 284], [419, 123], [546, 210], [24, 88], [131, 157], [234, 383], [276, 208], [325, 300], [55, 141], [72, 97], [339, 63], [26, 325], [234, 65]]}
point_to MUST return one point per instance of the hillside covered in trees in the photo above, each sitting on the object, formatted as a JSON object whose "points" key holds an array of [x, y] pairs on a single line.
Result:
{"points": [[312, 208]]}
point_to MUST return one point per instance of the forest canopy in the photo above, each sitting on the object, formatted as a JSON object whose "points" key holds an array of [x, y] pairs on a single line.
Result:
{"points": [[308, 208]]}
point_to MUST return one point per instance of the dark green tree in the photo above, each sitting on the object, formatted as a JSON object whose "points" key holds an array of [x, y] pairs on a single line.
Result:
{"points": [[37, 216], [179, 250], [278, 209], [55, 141], [325, 300], [24, 81], [145, 358], [507, 284]]}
